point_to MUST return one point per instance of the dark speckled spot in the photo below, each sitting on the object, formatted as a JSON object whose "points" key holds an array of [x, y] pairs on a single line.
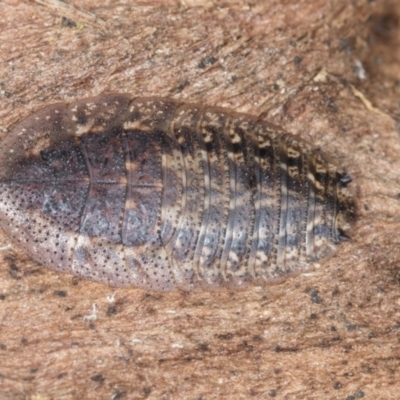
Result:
{"points": [[97, 378], [61, 293]]}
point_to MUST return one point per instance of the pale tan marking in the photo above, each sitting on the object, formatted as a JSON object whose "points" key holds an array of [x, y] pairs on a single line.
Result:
{"points": [[232, 258], [319, 185], [293, 153], [84, 129], [207, 136], [293, 172], [40, 145], [123, 180], [235, 137], [136, 125], [311, 177], [131, 166]]}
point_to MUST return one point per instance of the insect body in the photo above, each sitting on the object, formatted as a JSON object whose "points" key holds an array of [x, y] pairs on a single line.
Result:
{"points": [[157, 194]]}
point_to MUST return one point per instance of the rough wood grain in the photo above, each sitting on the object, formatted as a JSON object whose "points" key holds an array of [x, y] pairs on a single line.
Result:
{"points": [[324, 70]]}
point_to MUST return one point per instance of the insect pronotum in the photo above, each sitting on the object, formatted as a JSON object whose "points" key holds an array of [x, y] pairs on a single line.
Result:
{"points": [[161, 195]]}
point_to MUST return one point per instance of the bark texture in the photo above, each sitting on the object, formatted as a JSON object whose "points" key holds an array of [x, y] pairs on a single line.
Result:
{"points": [[326, 70]]}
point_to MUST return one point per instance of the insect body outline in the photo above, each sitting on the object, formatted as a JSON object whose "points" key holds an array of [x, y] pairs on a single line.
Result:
{"points": [[158, 194]]}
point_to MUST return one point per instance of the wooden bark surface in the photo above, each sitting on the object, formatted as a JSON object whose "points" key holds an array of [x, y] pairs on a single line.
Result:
{"points": [[327, 70]]}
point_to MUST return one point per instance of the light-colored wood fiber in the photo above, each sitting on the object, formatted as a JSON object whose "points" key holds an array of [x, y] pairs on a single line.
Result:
{"points": [[325, 70]]}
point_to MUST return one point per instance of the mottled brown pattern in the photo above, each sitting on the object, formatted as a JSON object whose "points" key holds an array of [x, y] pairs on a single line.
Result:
{"points": [[160, 195]]}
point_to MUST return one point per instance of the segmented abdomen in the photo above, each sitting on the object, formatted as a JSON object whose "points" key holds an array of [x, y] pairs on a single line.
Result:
{"points": [[153, 193]]}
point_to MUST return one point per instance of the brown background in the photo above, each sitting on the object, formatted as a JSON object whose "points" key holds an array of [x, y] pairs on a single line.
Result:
{"points": [[325, 70]]}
